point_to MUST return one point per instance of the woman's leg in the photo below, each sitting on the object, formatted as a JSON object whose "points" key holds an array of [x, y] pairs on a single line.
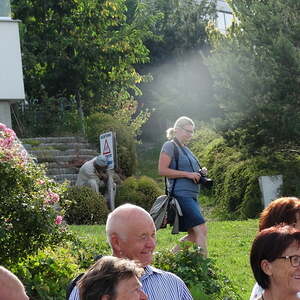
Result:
{"points": [[200, 237], [197, 235]]}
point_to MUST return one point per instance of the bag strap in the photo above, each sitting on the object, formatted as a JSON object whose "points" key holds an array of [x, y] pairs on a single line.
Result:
{"points": [[187, 156], [176, 156]]}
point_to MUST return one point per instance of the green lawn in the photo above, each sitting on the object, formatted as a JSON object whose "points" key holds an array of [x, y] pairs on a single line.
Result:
{"points": [[229, 245]]}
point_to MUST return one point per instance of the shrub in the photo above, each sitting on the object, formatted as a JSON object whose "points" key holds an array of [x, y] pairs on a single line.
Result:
{"points": [[84, 206], [201, 275], [47, 274], [99, 123], [141, 191], [28, 218]]}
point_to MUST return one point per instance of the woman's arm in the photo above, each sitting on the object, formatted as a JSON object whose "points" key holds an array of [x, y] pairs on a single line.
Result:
{"points": [[165, 170]]}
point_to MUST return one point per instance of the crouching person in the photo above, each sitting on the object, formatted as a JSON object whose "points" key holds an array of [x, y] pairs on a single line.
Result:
{"points": [[94, 174]]}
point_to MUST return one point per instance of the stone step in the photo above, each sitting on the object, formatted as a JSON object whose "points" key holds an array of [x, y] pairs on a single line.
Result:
{"points": [[63, 158], [50, 152], [58, 171], [59, 146], [63, 139], [58, 165], [63, 177]]}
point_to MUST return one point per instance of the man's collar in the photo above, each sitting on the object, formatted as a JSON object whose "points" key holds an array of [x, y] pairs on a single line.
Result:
{"points": [[150, 270]]}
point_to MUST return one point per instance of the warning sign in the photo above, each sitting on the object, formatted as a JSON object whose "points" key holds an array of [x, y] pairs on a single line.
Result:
{"points": [[108, 148]]}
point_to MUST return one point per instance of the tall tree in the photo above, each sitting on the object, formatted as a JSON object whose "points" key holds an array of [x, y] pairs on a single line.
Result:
{"points": [[181, 83], [80, 49], [256, 70]]}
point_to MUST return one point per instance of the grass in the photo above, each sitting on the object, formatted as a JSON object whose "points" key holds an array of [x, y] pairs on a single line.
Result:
{"points": [[229, 245], [229, 242]]}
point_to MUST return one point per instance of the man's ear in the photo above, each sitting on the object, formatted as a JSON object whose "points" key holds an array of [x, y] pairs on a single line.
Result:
{"points": [[266, 266], [115, 242]]}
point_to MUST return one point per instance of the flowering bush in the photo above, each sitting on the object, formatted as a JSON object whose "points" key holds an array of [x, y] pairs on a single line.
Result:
{"points": [[29, 214]]}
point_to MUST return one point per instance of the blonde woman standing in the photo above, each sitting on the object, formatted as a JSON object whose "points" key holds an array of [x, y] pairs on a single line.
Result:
{"points": [[183, 181]]}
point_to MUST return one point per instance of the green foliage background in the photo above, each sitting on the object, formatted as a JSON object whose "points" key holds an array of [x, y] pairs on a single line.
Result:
{"points": [[256, 71], [236, 193], [141, 191]]}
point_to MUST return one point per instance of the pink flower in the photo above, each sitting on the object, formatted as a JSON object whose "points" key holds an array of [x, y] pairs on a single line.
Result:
{"points": [[58, 220], [40, 181], [51, 198], [2, 126], [9, 132], [8, 142]]}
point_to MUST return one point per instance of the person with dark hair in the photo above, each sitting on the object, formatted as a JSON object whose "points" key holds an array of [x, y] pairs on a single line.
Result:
{"points": [[183, 178], [275, 262], [112, 278], [282, 210]]}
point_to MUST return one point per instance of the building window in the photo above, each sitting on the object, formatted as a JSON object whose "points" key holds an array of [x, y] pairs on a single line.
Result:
{"points": [[224, 20]]}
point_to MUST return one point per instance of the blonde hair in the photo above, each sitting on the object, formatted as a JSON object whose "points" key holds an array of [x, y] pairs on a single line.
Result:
{"points": [[179, 123]]}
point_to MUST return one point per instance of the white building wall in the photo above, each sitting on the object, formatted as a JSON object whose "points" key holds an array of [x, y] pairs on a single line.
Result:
{"points": [[11, 75], [5, 116]]}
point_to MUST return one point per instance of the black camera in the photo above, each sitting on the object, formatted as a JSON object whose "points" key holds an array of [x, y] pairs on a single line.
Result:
{"points": [[205, 181]]}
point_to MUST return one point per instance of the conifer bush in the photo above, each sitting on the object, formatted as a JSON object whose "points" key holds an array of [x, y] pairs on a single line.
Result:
{"points": [[236, 193], [29, 201]]}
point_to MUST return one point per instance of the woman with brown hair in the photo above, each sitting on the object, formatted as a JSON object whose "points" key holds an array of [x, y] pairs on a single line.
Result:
{"points": [[283, 210]]}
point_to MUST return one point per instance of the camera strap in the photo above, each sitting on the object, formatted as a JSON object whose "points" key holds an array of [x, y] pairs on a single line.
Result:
{"points": [[187, 156]]}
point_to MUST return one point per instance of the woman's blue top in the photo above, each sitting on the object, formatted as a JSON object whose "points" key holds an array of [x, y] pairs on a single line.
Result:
{"points": [[183, 186]]}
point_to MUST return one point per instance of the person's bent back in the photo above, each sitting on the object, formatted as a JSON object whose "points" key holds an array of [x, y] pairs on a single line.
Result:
{"points": [[112, 278]]}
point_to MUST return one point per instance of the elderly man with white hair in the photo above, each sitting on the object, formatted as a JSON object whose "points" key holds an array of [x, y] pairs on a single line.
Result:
{"points": [[11, 288], [131, 234]]}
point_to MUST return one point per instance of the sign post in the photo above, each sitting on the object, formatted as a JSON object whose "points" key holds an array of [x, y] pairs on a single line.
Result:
{"points": [[109, 150]]}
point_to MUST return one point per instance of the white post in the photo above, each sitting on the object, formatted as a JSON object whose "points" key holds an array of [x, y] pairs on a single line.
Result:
{"points": [[270, 188]]}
